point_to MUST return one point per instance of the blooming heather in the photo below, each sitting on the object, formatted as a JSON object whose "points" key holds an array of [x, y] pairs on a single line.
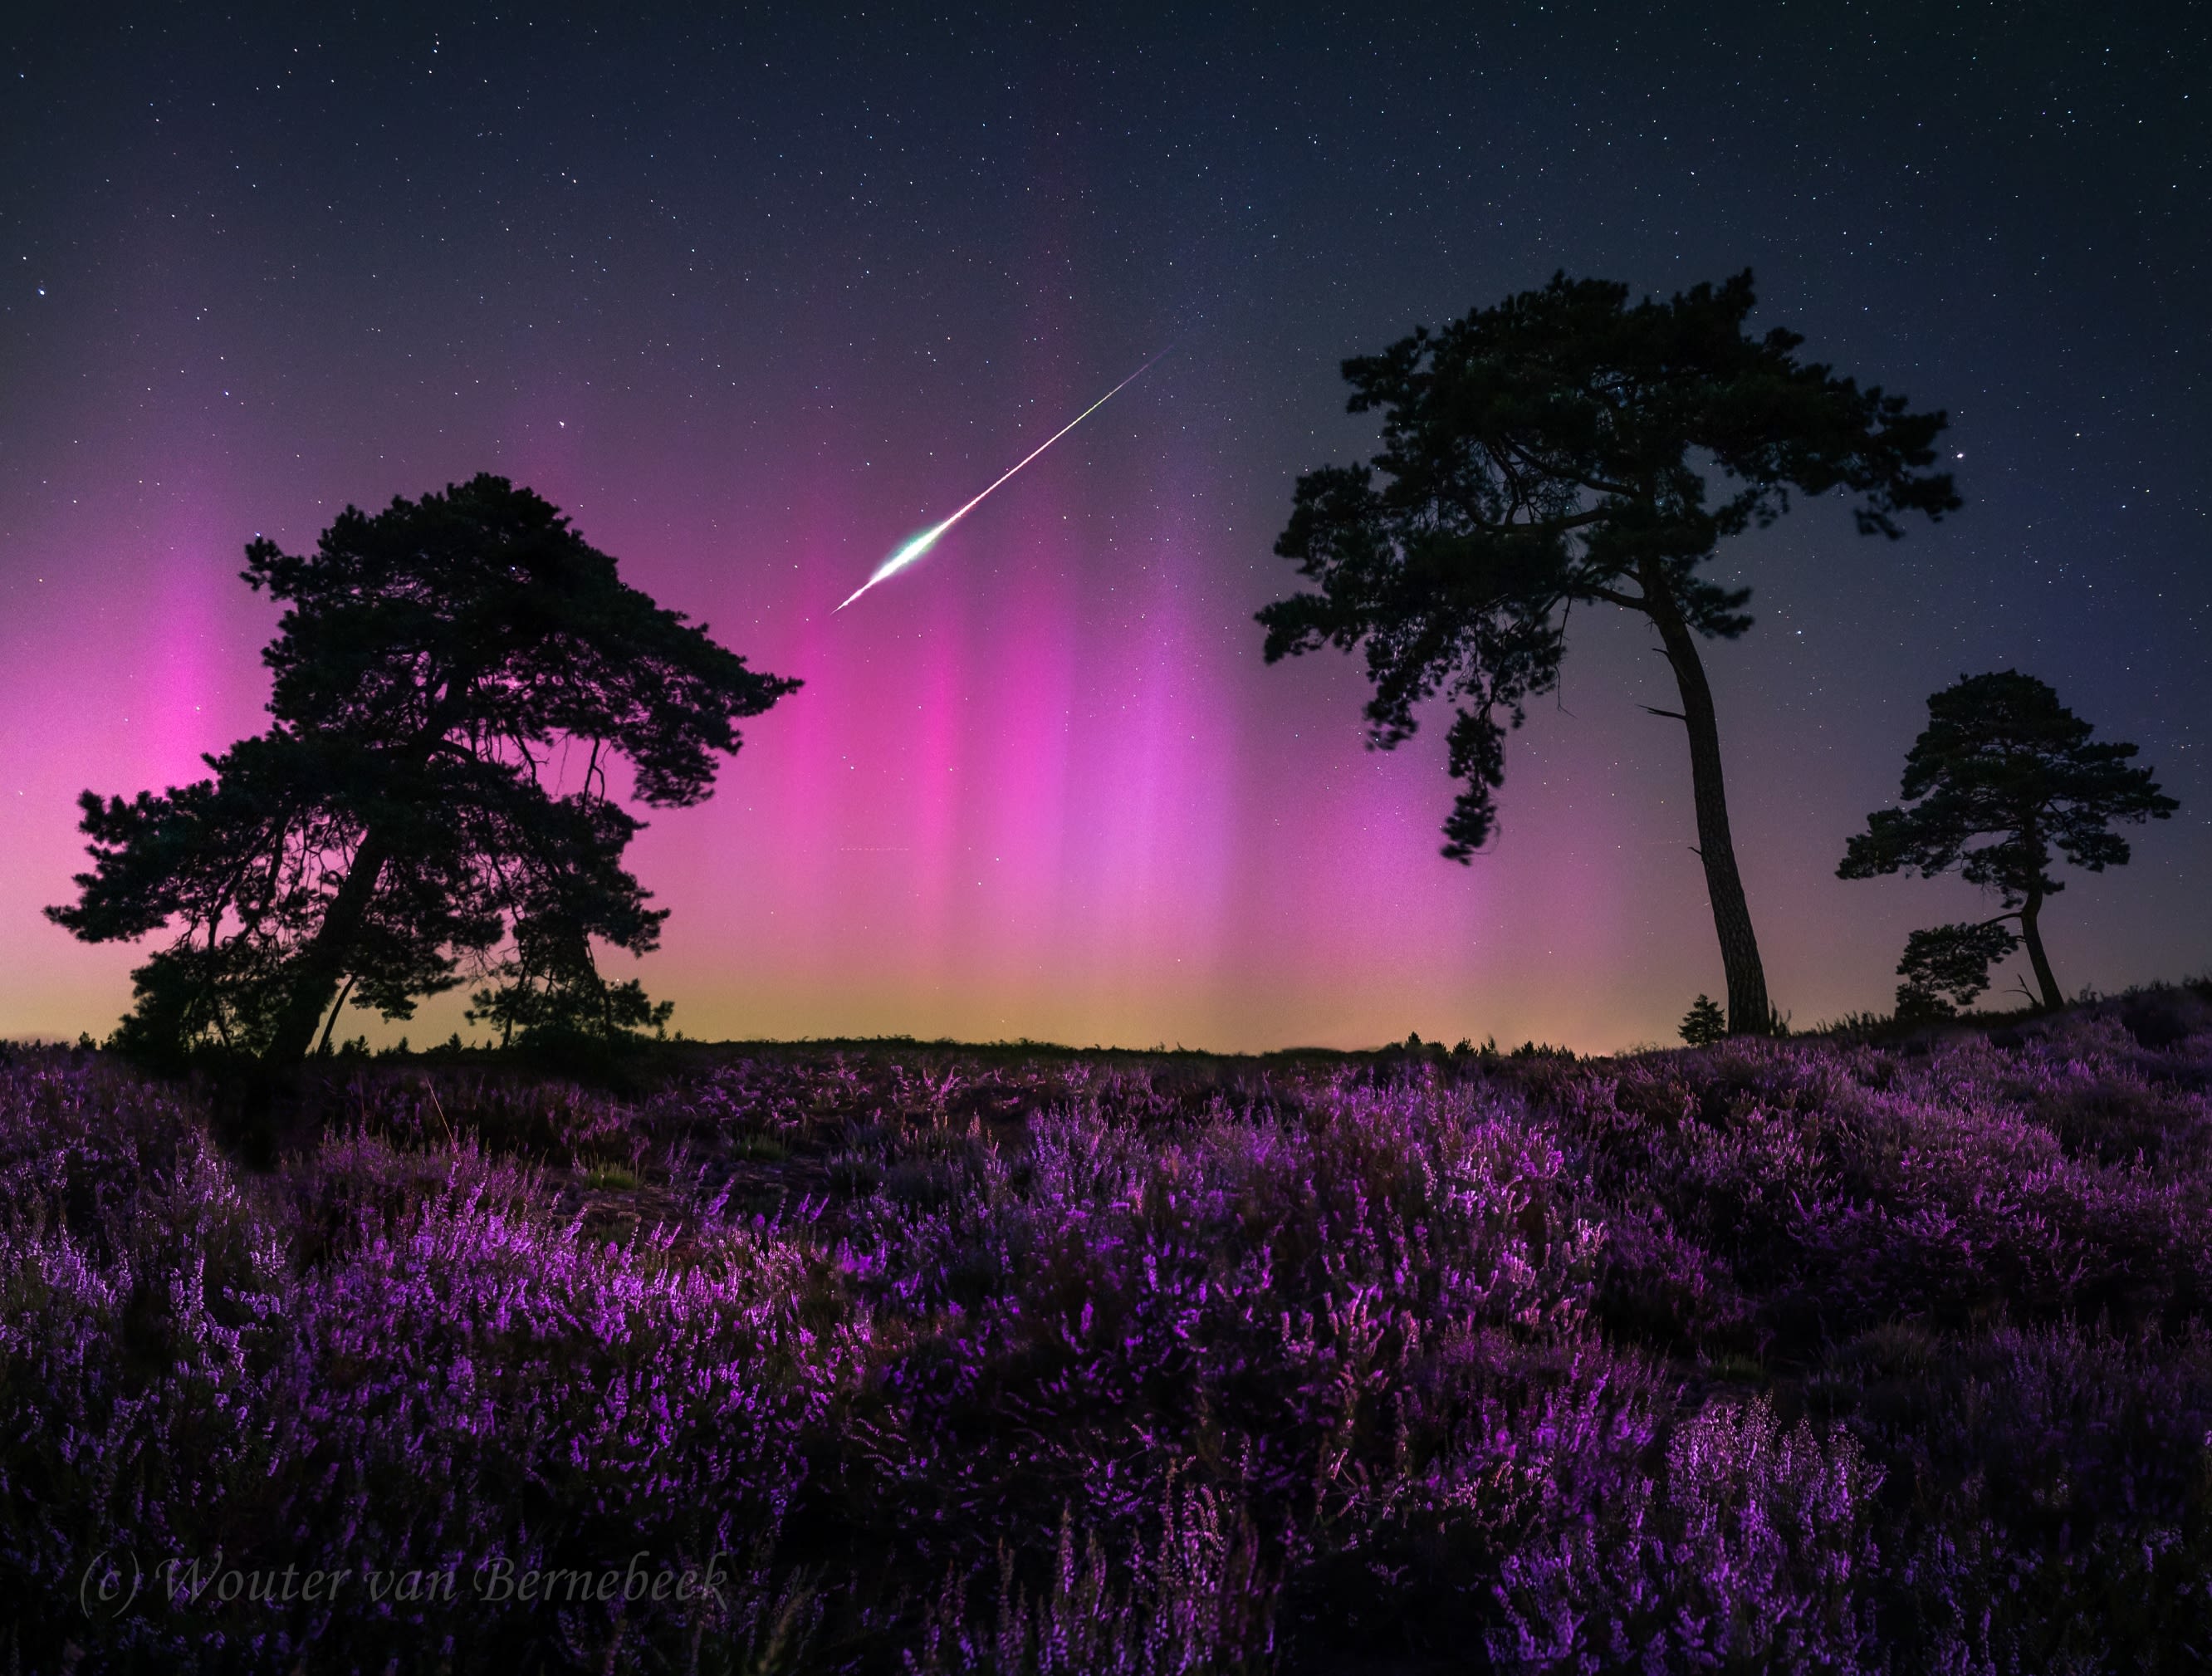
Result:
{"points": [[1806, 1356]]}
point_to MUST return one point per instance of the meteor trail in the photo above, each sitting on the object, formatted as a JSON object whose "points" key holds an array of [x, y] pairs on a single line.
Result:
{"points": [[922, 543]]}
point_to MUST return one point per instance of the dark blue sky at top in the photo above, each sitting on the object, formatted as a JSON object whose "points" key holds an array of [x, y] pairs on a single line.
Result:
{"points": [[298, 252]]}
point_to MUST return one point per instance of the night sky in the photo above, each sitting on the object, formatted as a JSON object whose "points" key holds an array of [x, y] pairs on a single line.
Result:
{"points": [[755, 300]]}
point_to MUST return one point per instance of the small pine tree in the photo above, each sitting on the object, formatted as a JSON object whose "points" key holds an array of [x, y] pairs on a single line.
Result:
{"points": [[1704, 1023], [1945, 966], [2003, 776]]}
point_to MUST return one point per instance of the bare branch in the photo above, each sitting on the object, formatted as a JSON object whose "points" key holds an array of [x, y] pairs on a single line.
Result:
{"points": [[1614, 596]]}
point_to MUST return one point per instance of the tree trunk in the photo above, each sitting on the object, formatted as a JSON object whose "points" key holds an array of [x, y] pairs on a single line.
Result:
{"points": [[323, 962], [2053, 1000], [1750, 1013], [330, 1023]]}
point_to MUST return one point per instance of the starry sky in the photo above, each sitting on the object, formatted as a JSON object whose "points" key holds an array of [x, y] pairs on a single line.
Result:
{"points": [[754, 297]]}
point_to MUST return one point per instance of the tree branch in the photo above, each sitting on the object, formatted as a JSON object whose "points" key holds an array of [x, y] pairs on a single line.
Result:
{"points": [[1599, 484], [1614, 596]]}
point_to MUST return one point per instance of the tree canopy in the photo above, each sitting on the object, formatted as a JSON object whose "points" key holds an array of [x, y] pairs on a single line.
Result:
{"points": [[453, 678], [1568, 447], [2003, 780]]}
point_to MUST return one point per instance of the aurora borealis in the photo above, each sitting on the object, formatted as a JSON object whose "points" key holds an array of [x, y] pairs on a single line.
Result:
{"points": [[752, 301]]}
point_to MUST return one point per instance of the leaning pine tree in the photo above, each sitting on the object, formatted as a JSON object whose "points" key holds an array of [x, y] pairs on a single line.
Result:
{"points": [[1561, 448], [395, 827], [2002, 781]]}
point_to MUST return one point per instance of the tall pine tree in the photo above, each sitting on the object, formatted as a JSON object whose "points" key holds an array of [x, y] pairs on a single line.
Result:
{"points": [[1571, 448]]}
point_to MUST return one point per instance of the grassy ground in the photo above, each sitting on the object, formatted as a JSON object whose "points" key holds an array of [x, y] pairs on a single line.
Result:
{"points": [[1813, 1355]]}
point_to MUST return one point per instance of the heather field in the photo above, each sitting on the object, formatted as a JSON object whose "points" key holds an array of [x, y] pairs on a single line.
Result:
{"points": [[1810, 1354]]}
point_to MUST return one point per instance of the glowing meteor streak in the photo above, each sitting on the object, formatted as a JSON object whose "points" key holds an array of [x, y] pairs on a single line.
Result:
{"points": [[922, 543]]}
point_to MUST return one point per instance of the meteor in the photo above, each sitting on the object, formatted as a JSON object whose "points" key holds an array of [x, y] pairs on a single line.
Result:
{"points": [[915, 547]]}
